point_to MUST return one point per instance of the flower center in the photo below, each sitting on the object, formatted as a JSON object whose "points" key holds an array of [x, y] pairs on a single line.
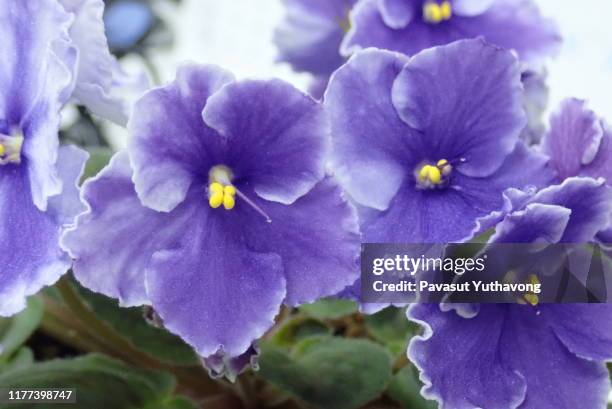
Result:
{"points": [[433, 176], [221, 191], [435, 13], [10, 148]]}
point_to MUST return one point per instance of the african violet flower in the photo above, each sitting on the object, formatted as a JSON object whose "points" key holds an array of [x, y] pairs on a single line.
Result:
{"points": [[309, 36], [230, 214], [101, 83], [579, 143], [536, 356], [37, 65], [409, 26], [427, 145]]}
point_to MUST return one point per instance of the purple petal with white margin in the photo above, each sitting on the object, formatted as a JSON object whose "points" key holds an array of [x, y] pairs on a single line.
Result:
{"points": [[317, 237], [574, 138], [96, 83], [277, 142], [112, 243], [28, 265], [466, 111], [468, 8], [398, 13], [36, 66], [459, 359], [169, 136], [585, 329], [371, 145], [515, 25], [213, 291], [309, 36], [533, 349]]}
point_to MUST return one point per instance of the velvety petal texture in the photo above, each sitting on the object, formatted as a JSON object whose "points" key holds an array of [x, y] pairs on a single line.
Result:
{"points": [[217, 270], [309, 36], [36, 73], [100, 82], [529, 349], [391, 117], [513, 24], [29, 237]]}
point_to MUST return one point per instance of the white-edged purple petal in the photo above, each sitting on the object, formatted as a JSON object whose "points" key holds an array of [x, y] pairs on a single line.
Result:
{"points": [[398, 13], [371, 145], [100, 81], [36, 76], [309, 36], [213, 291], [459, 359], [114, 240], [274, 136], [317, 238], [29, 237], [170, 145], [473, 118]]}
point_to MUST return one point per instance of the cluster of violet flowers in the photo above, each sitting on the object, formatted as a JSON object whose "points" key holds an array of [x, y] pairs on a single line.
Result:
{"points": [[236, 197]]}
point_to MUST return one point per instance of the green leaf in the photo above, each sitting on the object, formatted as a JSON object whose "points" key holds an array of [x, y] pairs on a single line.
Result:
{"points": [[100, 383], [330, 308], [329, 372], [98, 158], [16, 330], [390, 327], [405, 389], [22, 358], [129, 322], [297, 329]]}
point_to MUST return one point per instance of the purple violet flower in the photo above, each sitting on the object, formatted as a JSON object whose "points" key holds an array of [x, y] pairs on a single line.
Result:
{"points": [[517, 356], [409, 26], [427, 145], [101, 83], [309, 36], [37, 178], [579, 143], [229, 214]]}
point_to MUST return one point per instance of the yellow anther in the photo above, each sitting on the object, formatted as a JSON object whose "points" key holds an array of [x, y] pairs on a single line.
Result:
{"points": [[436, 13], [424, 173], [446, 10], [533, 279], [532, 299], [435, 176], [441, 163], [229, 202], [432, 13], [2, 150], [216, 199], [216, 187], [229, 190]]}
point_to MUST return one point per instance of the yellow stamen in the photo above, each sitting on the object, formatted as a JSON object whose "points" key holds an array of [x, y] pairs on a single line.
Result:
{"points": [[229, 202], [435, 176], [532, 299], [436, 13], [2, 150], [446, 10], [221, 195]]}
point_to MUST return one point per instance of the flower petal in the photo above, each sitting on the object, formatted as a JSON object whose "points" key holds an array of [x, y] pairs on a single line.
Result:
{"points": [[585, 329], [28, 265], [466, 99], [398, 13], [309, 36], [96, 87], [468, 8], [278, 141], [36, 69], [459, 359], [213, 291], [318, 239], [574, 138], [114, 240], [370, 143], [170, 138]]}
